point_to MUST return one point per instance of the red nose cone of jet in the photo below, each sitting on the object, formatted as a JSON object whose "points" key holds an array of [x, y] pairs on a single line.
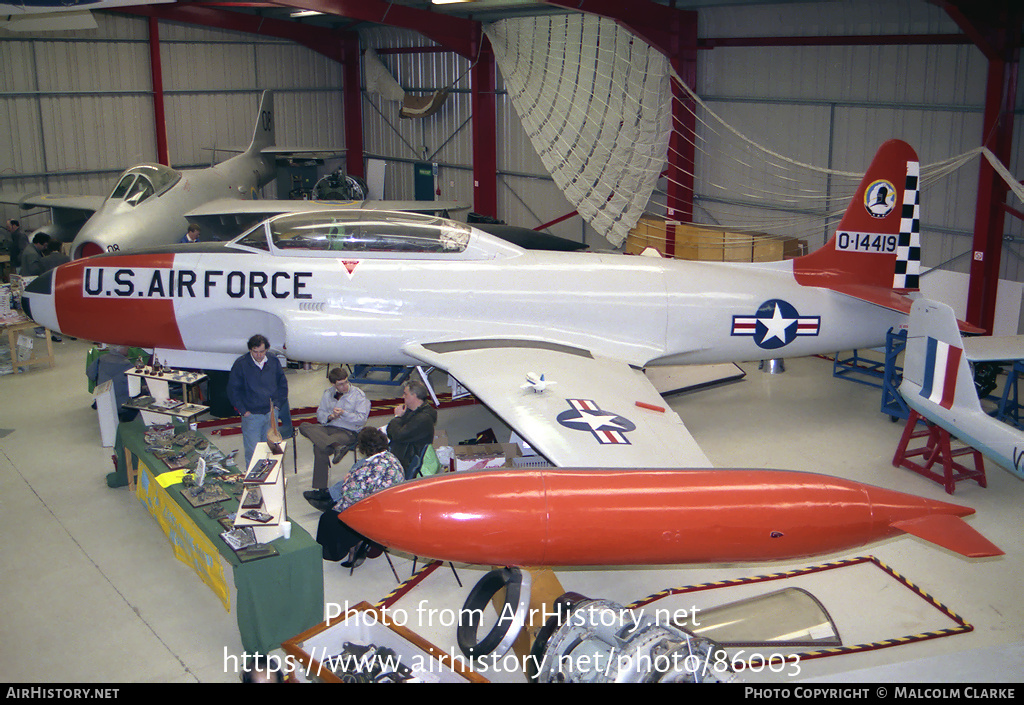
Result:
{"points": [[88, 249]]}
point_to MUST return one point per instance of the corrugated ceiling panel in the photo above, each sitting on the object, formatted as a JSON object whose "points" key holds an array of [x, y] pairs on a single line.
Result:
{"points": [[93, 66], [97, 132], [288, 66], [21, 148], [221, 66], [18, 60], [200, 123], [823, 19]]}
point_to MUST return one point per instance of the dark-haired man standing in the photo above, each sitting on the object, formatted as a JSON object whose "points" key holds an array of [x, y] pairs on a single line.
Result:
{"points": [[256, 381]]}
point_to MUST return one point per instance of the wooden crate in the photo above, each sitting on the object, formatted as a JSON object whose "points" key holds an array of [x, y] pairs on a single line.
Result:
{"points": [[649, 232], [694, 242], [767, 249]]}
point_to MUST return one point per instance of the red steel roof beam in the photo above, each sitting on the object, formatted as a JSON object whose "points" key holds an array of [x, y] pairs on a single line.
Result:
{"points": [[457, 34]]}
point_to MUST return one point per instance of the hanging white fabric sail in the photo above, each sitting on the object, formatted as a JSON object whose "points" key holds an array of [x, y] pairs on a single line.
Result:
{"points": [[595, 102]]}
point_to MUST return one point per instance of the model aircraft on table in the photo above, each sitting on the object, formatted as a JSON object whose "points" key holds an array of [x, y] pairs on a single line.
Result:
{"points": [[152, 204], [938, 384], [405, 289]]}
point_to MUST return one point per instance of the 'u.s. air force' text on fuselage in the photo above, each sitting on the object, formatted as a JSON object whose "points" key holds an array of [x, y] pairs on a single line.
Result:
{"points": [[170, 283]]}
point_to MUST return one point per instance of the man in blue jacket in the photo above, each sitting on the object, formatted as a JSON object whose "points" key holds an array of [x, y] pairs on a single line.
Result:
{"points": [[255, 381]]}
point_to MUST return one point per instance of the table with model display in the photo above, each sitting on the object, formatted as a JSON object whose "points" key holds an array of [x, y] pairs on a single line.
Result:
{"points": [[274, 597], [15, 326]]}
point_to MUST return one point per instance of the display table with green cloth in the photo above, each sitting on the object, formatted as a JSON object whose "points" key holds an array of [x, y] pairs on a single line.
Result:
{"points": [[274, 598]]}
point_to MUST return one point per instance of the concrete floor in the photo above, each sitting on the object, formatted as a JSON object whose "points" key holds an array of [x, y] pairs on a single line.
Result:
{"points": [[93, 593]]}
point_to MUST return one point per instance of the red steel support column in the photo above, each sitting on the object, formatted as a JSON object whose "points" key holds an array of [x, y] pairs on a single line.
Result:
{"points": [[681, 153], [159, 119], [353, 98], [995, 28], [485, 132], [1001, 93]]}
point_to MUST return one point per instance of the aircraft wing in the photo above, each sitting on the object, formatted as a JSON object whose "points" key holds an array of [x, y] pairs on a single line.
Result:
{"points": [[887, 298], [283, 151], [86, 204], [988, 348], [594, 412], [67, 213], [263, 209]]}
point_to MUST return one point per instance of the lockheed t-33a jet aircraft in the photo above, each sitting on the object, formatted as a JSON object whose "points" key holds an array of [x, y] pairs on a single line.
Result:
{"points": [[406, 289]]}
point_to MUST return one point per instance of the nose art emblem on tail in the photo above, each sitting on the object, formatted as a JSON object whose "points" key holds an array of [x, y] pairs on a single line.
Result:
{"points": [[880, 198]]}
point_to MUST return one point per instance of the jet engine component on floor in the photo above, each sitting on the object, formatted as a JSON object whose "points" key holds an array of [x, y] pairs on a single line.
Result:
{"points": [[600, 641]]}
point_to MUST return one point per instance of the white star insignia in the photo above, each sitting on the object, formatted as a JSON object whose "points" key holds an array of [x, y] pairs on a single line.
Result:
{"points": [[776, 325], [599, 419]]}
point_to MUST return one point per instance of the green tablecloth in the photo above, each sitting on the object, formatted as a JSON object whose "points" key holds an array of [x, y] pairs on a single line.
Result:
{"points": [[275, 598]]}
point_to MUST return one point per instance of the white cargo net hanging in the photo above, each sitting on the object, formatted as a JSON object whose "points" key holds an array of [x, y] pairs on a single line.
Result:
{"points": [[594, 100]]}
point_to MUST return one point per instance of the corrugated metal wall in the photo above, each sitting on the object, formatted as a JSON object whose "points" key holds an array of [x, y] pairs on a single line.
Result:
{"points": [[526, 194], [834, 105], [76, 108]]}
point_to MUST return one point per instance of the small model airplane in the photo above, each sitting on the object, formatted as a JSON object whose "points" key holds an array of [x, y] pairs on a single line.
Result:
{"points": [[153, 204], [395, 288], [536, 382], [938, 384]]}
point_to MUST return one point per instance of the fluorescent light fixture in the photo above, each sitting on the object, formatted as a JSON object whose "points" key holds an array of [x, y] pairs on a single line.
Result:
{"points": [[448, 2], [304, 13]]}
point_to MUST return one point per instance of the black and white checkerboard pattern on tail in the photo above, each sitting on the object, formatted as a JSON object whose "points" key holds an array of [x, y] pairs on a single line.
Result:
{"points": [[908, 252]]}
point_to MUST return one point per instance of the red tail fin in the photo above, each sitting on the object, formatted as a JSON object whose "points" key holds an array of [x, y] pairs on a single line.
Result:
{"points": [[876, 250], [950, 532]]}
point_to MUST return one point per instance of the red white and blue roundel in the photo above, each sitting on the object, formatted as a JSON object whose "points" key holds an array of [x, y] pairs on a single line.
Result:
{"points": [[607, 426], [775, 324]]}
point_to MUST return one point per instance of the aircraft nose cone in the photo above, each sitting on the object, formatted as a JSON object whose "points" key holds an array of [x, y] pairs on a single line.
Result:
{"points": [[97, 234], [37, 301], [43, 284]]}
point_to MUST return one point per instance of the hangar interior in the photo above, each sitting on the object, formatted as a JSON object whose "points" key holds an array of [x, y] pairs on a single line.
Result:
{"points": [[788, 102]]}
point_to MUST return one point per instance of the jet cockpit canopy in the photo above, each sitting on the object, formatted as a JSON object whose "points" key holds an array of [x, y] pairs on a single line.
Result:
{"points": [[357, 231], [143, 181]]}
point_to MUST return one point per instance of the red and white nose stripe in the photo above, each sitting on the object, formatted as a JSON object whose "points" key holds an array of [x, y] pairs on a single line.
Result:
{"points": [[107, 309]]}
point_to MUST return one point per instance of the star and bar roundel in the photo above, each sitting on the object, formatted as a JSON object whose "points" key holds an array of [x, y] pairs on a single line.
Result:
{"points": [[775, 324], [606, 426]]}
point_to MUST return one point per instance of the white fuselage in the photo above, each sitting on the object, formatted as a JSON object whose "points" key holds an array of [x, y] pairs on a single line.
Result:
{"points": [[375, 307], [637, 309]]}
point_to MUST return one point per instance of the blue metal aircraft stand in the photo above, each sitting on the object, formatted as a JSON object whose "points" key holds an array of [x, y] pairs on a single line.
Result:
{"points": [[1009, 408], [396, 374], [884, 374]]}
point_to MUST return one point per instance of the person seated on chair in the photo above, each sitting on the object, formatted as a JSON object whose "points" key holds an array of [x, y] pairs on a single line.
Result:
{"points": [[378, 471], [342, 412], [413, 426]]}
